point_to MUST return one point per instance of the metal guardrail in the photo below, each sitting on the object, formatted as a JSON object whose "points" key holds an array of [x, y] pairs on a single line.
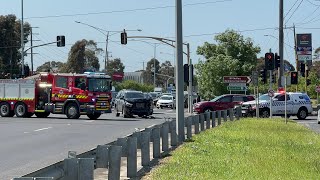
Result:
{"points": [[81, 167]]}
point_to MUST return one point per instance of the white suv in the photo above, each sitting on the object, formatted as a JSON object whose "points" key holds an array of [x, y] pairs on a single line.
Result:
{"points": [[298, 104]]}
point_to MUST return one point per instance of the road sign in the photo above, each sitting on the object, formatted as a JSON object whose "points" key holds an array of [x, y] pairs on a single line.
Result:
{"points": [[237, 84], [304, 57], [318, 89], [236, 79], [270, 93], [237, 88]]}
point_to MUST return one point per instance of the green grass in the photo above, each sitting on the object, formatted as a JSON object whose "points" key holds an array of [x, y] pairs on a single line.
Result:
{"points": [[246, 149]]}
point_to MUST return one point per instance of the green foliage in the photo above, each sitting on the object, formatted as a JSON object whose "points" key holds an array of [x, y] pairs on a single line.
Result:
{"points": [[10, 38], [115, 65], [246, 149], [232, 55], [148, 73], [53, 65], [129, 84], [82, 56]]}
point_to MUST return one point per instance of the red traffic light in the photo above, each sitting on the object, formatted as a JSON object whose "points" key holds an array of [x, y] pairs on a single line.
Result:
{"points": [[269, 57]]}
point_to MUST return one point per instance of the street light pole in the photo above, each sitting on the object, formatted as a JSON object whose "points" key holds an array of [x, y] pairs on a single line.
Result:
{"points": [[281, 41], [22, 41], [154, 65], [106, 58]]}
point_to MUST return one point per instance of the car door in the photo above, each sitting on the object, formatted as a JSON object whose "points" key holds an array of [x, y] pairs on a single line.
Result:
{"points": [[117, 101], [224, 103], [278, 104], [237, 100]]}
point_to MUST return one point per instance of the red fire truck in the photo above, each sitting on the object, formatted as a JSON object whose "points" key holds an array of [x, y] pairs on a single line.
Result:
{"points": [[70, 94]]}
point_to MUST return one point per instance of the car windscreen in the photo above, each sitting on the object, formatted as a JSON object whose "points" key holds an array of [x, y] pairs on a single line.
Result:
{"points": [[264, 97], [99, 85], [154, 94], [166, 98], [215, 99], [134, 95]]}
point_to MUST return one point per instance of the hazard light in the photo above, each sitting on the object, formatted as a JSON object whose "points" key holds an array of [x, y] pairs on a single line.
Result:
{"points": [[44, 85], [281, 90]]}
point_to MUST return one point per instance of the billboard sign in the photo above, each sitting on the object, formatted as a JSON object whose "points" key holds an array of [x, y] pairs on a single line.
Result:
{"points": [[304, 47]]}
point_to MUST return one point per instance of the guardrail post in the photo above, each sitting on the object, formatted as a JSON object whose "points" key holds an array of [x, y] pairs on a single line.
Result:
{"points": [[225, 113], [165, 137], [138, 136], [71, 170], [132, 157], [102, 156], [115, 162], [189, 127], [202, 122], [196, 124], [86, 168], [208, 119], [231, 114], [145, 148], [156, 142], [173, 134], [238, 112], [123, 143], [213, 115], [149, 129], [219, 117]]}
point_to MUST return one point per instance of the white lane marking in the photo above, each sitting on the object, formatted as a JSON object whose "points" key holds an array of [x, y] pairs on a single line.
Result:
{"points": [[89, 121], [25, 132], [68, 124], [42, 129]]}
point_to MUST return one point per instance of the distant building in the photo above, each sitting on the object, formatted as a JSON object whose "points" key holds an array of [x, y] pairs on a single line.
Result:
{"points": [[135, 76]]}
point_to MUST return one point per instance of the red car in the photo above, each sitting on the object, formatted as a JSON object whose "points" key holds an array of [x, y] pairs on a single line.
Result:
{"points": [[222, 102]]}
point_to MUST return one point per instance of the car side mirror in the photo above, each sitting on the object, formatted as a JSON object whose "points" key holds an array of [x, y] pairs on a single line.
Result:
{"points": [[122, 97]]}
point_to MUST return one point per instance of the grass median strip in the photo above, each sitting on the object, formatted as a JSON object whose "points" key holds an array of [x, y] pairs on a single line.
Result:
{"points": [[246, 149]]}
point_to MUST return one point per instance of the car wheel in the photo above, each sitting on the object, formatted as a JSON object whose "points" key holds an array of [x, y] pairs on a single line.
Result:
{"points": [[72, 111], [21, 110], [265, 113], [94, 116], [4, 109], [302, 113], [208, 109]]}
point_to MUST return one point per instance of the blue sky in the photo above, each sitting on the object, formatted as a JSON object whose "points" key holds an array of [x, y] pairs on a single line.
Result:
{"points": [[201, 21]]}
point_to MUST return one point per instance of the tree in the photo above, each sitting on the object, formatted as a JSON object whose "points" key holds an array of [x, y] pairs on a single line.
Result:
{"points": [[10, 41], [148, 73], [115, 66], [83, 56], [54, 66], [129, 84], [166, 71], [232, 55]]}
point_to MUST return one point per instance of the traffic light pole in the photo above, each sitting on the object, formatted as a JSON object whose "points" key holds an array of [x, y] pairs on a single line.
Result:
{"points": [[270, 87], [306, 76]]}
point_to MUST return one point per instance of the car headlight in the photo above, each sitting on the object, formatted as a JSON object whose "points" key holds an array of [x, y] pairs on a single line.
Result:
{"points": [[129, 104]]}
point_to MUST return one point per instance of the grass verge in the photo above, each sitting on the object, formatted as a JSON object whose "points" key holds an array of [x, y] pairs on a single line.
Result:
{"points": [[246, 149]]}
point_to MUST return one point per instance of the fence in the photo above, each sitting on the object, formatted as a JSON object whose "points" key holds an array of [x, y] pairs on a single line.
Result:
{"points": [[151, 143]]}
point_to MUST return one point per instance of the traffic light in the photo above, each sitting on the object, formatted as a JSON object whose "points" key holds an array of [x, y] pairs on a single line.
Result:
{"points": [[186, 73], [124, 37], [302, 69], [273, 80], [61, 41], [308, 82], [263, 75], [294, 77], [276, 60], [269, 61]]}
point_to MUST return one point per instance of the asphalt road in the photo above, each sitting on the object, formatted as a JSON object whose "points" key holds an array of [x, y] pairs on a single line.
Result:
{"points": [[311, 122], [29, 144]]}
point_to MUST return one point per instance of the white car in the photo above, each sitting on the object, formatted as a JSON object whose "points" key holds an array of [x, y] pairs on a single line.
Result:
{"points": [[298, 104], [166, 101]]}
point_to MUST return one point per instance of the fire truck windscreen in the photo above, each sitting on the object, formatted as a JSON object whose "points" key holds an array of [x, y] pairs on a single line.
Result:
{"points": [[99, 85]]}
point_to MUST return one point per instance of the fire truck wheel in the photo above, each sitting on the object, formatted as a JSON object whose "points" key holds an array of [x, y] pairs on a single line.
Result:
{"points": [[42, 114], [5, 110], [21, 110], [94, 116], [72, 111]]}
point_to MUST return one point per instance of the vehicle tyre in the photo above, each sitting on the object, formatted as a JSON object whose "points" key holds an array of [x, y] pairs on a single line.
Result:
{"points": [[21, 110], [265, 113], [116, 111], [5, 110], [207, 109], [42, 114], [302, 113], [161, 107], [72, 111], [94, 116]]}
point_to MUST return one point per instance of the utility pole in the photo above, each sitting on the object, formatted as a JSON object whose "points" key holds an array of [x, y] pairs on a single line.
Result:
{"points": [[22, 41], [106, 59], [154, 65], [281, 43], [179, 73], [190, 89], [31, 41]]}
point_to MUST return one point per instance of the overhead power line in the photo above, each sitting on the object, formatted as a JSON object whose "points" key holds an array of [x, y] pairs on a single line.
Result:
{"points": [[122, 11], [294, 11], [291, 8]]}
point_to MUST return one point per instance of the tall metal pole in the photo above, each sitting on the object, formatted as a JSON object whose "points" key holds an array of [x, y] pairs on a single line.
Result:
{"points": [[190, 88], [295, 51], [179, 73], [154, 65], [280, 84], [31, 43], [22, 41], [270, 87], [285, 99], [106, 58]]}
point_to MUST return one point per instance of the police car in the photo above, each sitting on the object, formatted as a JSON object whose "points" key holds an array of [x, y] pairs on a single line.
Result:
{"points": [[298, 104]]}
